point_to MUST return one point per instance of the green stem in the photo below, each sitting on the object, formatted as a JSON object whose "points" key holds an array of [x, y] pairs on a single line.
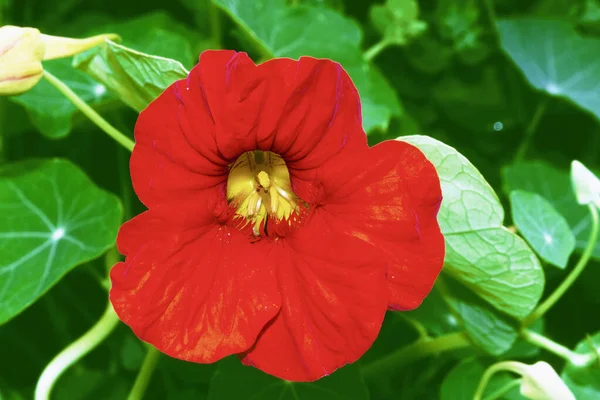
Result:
{"points": [[531, 128], [504, 389], [89, 111], [215, 24], [76, 350], [512, 366], [143, 378], [421, 330], [374, 50], [572, 277], [543, 342], [415, 351]]}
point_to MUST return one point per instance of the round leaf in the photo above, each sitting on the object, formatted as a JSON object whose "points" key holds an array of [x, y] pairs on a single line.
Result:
{"points": [[543, 227], [555, 58], [53, 218]]}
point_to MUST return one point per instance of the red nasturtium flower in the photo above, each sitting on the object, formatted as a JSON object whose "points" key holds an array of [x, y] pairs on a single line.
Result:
{"points": [[273, 231]]}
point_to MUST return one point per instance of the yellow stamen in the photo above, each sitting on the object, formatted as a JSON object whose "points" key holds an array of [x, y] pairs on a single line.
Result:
{"points": [[263, 179], [258, 187]]}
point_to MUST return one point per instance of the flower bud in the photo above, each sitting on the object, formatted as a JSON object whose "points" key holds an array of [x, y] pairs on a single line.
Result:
{"points": [[21, 55], [23, 49], [541, 382], [585, 184]]}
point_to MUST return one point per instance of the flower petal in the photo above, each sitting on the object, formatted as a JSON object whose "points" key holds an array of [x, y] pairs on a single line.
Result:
{"points": [[312, 112], [307, 111], [333, 302], [198, 294], [390, 196]]}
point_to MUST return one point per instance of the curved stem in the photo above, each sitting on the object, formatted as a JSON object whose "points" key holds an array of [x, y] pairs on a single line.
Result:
{"points": [[531, 128], [76, 350], [504, 389], [89, 112], [572, 277], [556, 348], [512, 366], [143, 378], [415, 351], [374, 50]]}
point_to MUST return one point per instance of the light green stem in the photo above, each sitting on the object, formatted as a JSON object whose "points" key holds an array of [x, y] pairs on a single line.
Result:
{"points": [[75, 351], [415, 351], [512, 366], [89, 112], [504, 389], [374, 50], [543, 342], [531, 128], [143, 378], [572, 277]]}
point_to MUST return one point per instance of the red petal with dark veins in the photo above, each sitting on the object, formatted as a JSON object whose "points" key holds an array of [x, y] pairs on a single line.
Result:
{"points": [[334, 299], [197, 294]]}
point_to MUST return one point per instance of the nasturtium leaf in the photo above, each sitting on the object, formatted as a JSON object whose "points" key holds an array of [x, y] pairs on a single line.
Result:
{"points": [[137, 78], [159, 34], [233, 380], [53, 218], [543, 227], [488, 328], [494, 263], [585, 382], [462, 382], [50, 111], [280, 30], [555, 186], [555, 58]]}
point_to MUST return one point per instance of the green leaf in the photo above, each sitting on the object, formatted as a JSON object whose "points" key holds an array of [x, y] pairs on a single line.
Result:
{"points": [[51, 112], [555, 59], [136, 78], [158, 34], [494, 263], [555, 186], [462, 381], [543, 227], [233, 380], [279, 30], [53, 218], [488, 328], [398, 20], [585, 382]]}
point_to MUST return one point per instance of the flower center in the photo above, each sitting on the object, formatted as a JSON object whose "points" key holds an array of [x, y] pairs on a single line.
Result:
{"points": [[259, 188]]}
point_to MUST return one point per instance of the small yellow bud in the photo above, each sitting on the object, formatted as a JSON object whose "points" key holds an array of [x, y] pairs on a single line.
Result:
{"points": [[21, 55], [22, 51]]}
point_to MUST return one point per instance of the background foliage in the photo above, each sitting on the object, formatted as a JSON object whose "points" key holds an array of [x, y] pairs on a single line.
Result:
{"points": [[507, 91]]}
